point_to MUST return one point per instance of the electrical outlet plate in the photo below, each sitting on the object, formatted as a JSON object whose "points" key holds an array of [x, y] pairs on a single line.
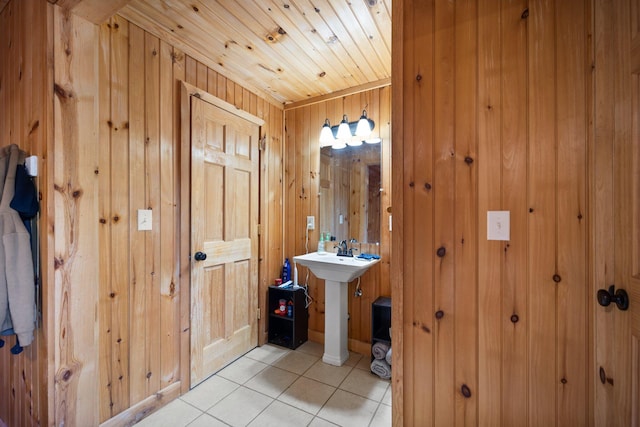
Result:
{"points": [[311, 222]]}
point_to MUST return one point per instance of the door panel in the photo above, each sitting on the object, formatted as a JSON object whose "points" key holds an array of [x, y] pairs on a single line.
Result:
{"points": [[224, 219], [617, 213]]}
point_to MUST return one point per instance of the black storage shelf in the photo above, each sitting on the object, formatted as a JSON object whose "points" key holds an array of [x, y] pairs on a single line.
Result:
{"points": [[286, 331], [381, 321]]}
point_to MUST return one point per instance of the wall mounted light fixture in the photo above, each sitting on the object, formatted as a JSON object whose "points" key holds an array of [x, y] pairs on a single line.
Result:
{"points": [[348, 133]]}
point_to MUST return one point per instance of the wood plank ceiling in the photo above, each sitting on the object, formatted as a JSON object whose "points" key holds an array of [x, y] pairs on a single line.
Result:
{"points": [[290, 50]]}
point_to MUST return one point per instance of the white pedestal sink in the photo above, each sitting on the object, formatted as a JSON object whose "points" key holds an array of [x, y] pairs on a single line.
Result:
{"points": [[337, 272]]}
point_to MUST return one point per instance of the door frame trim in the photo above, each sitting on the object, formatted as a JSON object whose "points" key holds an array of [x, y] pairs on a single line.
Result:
{"points": [[184, 229]]}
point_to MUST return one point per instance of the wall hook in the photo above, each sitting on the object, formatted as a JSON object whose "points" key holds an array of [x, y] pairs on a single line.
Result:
{"points": [[619, 297]]}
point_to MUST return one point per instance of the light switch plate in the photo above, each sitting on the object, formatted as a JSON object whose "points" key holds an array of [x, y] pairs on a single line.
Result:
{"points": [[498, 227], [31, 163], [144, 219]]}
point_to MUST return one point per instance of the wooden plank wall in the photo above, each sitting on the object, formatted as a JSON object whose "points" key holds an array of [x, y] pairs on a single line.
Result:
{"points": [[491, 106], [301, 198], [25, 388], [117, 146]]}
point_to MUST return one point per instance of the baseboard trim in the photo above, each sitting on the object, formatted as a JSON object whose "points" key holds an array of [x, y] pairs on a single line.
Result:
{"points": [[144, 408]]}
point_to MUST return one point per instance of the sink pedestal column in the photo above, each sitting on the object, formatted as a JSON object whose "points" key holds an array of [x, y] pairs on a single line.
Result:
{"points": [[336, 317]]}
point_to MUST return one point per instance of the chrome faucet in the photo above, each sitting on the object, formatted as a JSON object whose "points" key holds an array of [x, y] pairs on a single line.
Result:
{"points": [[342, 249]]}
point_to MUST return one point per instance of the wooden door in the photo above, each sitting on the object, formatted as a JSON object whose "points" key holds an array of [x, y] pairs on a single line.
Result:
{"points": [[224, 237], [617, 211]]}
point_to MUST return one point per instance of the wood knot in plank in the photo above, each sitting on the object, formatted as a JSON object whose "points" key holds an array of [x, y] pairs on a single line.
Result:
{"points": [[57, 263], [419, 77], [195, 9], [439, 314], [557, 278], [322, 74], [103, 221], [427, 186], [176, 57], [465, 391], [67, 375], [34, 126], [76, 194], [441, 252], [423, 327], [563, 380], [515, 318], [468, 160], [148, 375], [525, 14], [62, 94]]}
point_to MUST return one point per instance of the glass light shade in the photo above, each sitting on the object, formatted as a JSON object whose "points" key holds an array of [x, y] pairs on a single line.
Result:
{"points": [[344, 132], [373, 140], [338, 144], [326, 135], [354, 141], [364, 127]]}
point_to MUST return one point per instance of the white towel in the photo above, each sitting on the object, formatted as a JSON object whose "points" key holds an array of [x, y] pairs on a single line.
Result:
{"points": [[388, 356], [381, 368], [379, 350]]}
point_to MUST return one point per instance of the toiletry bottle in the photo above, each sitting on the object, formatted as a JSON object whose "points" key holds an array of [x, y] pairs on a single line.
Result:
{"points": [[290, 309], [286, 271], [321, 244]]}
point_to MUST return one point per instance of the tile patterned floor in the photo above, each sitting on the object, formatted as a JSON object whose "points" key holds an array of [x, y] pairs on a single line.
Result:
{"points": [[274, 386]]}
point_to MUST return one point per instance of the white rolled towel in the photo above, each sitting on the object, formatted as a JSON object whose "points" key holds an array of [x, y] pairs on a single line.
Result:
{"points": [[379, 350], [381, 368], [388, 356]]}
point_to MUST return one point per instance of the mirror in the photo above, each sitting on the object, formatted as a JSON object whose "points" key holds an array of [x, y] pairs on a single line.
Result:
{"points": [[350, 181]]}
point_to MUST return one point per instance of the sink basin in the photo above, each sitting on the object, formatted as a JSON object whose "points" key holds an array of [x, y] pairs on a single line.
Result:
{"points": [[329, 266], [336, 271]]}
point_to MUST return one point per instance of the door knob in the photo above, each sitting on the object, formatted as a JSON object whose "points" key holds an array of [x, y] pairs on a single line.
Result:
{"points": [[619, 297], [200, 256]]}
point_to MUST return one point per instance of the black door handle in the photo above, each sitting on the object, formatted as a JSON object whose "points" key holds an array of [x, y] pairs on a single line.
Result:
{"points": [[200, 256], [619, 297]]}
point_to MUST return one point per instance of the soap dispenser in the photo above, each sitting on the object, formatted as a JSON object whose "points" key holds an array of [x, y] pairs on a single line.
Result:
{"points": [[321, 244]]}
